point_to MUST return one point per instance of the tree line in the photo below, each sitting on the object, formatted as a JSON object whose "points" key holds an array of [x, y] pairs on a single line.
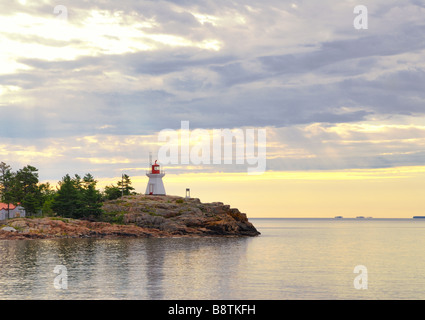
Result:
{"points": [[74, 197]]}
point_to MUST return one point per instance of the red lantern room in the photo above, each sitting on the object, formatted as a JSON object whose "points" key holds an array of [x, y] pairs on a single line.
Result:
{"points": [[155, 168]]}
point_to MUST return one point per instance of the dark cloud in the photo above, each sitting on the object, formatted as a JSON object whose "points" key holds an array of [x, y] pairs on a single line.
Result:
{"points": [[406, 40], [171, 61]]}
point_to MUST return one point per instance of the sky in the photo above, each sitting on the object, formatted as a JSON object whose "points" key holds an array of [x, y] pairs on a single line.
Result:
{"points": [[88, 86]]}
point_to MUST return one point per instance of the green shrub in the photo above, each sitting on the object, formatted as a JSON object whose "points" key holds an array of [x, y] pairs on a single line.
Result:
{"points": [[116, 217]]}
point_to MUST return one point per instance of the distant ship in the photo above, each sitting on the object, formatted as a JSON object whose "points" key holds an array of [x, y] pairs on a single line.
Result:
{"points": [[359, 217], [419, 217], [338, 217]]}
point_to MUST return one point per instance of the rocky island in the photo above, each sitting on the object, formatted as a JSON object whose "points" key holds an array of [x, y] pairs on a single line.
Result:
{"points": [[139, 216]]}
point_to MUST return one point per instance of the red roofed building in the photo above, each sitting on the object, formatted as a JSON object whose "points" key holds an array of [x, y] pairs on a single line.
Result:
{"points": [[14, 211]]}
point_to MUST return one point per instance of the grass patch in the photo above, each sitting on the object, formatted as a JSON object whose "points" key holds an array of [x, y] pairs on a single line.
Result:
{"points": [[115, 217], [153, 214], [66, 220]]}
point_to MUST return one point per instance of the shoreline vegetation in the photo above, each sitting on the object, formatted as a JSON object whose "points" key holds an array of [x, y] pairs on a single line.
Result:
{"points": [[77, 209]]}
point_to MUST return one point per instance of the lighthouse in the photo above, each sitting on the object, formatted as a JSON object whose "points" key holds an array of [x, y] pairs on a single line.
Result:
{"points": [[155, 185]]}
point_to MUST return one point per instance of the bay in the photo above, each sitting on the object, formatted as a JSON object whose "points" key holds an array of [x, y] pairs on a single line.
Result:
{"points": [[293, 259]]}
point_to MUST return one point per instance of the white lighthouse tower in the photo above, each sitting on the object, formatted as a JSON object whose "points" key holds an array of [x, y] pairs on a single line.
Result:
{"points": [[155, 185]]}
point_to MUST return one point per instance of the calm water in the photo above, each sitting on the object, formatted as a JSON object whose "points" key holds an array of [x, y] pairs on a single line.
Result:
{"points": [[292, 259]]}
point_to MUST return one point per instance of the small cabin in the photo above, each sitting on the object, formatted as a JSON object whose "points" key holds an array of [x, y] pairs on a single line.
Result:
{"points": [[14, 211]]}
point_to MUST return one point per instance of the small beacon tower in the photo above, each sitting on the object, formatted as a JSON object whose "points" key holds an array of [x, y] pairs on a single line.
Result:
{"points": [[155, 185]]}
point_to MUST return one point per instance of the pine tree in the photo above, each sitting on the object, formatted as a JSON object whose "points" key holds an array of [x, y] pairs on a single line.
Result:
{"points": [[66, 202], [25, 189], [112, 192], [78, 198], [91, 198], [47, 195], [125, 185], [6, 180]]}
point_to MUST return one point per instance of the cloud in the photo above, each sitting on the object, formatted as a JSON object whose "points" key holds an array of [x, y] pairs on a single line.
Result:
{"points": [[132, 68]]}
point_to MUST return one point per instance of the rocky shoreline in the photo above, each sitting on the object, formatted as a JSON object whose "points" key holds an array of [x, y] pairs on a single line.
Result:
{"points": [[139, 216]]}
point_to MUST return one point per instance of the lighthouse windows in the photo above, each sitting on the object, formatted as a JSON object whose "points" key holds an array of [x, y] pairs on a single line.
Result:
{"points": [[155, 169]]}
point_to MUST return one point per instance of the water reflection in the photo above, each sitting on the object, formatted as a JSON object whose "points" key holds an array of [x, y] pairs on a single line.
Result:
{"points": [[180, 268], [292, 259]]}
